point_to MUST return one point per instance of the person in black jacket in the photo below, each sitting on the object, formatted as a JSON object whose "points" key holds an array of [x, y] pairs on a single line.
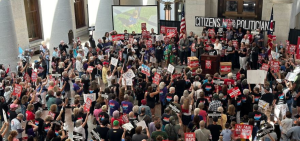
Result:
{"points": [[63, 47], [92, 42], [254, 56], [4, 106]]}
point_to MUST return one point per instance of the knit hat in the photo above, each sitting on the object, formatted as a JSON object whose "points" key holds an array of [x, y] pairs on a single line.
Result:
{"points": [[116, 123]]}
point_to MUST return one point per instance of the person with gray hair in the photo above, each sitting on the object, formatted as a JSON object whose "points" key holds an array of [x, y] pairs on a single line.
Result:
{"points": [[202, 134], [246, 103], [126, 105], [17, 125], [40, 123], [170, 95], [7, 93], [79, 126]]}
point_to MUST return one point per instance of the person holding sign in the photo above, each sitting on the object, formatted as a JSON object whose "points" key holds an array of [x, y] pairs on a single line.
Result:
{"points": [[79, 126], [149, 96]]}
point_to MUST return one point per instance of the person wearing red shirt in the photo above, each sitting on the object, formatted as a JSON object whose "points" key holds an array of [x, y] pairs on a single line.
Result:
{"points": [[116, 116], [229, 80], [29, 114], [250, 37]]}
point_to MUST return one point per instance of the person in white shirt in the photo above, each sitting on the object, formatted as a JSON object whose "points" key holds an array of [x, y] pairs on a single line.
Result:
{"points": [[55, 52], [110, 76], [7, 93], [218, 46], [79, 66], [86, 48], [17, 125], [286, 124], [79, 126], [246, 40]]}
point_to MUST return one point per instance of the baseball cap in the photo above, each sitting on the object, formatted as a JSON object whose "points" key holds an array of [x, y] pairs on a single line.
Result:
{"points": [[116, 123], [144, 102], [105, 63], [13, 106]]}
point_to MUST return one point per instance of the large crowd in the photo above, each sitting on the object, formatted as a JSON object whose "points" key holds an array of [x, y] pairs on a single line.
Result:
{"points": [[114, 86]]}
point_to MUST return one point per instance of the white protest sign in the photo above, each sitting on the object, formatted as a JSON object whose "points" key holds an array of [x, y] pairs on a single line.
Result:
{"points": [[296, 70], [92, 96], [4, 116], [142, 124], [174, 108], [104, 96], [263, 104], [128, 82], [152, 59], [114, 61], [159, 70], [129, 74], [291, 76], [171, 68], [275, 55], [159, 37], [256, 76], [127, 126]]}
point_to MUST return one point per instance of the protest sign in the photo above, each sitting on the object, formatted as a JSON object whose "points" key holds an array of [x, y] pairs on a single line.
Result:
{"points": [[142, 124], [243, 131], [234, 92], [95, 134], [259, 78], [34, 76], [235, 43], [125, 118], [143, 26], [174, 108], [87, 104], [287, 42], [275, 55], [114, 61], [90, 69], [145, 70], [117, 37], [149, 43], [171, 68], [120, 55], [159, 70], [275, 66], [211, 32], [156, 78], [152, 59], [163, 29], [127, 126], [128, 82], [291, 76], [51, 114], [91, 96], [27, 77], [171, 30], [129, 74], [159, 37], [207, 64], [77, 136], [265, 67], [214, 114], [263, 104], [170, 35], [264, 131], [17, 90], [260, 58], [291, 49], [105, 96], [189, 136]]}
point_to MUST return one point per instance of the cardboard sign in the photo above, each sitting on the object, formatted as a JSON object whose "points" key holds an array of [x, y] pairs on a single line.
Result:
{"points": [[214, 114], [114, 61], [149, 43], [256, 76], [90, 69], [263, 104], [117, 37], [265, 67], [189, 136], [234, 92], [17, 90], [208, 64], [156, 78], [171, 68], [243, 131], [34, 76], [162, 29], [275, 66], [211, 32], [291, 49], [145, 70], [91, 96], [264, 131], [174, 108], [142, 124], [143, 26], [87, 105]]}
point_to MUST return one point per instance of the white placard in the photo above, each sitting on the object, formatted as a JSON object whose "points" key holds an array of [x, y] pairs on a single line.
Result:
{"points": [[129, 74], [152, 59], [128, 82], [275, 55], [104, 96], [171, 68], [92, 96], [4, 116], [142, 123], [263, 104], [291, 76], [114, 61], [159, 37], [296, 70], [127, 126], [256, 76]]}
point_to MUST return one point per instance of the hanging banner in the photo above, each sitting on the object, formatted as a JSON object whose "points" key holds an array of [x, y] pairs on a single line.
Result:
{"points": [[17, 90], [234, 92], [207, 64], [235, 23]]}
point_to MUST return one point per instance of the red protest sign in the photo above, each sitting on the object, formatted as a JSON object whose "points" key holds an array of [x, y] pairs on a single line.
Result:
{"points": [[34, 76], [120, 55], [234, 92], [156, 78], [225, 69], [291, 49], [265, 67], [243, 131], [171, 34], [189, 137], [17, 90], [149, 43], [87, 104], [143, 26], [117, 37], [166, 39], [162, 29], [211, 32], [27, 77], [171, 30], [90, 69], [193, 47], [275, 65], [207, 64], [298, 48]]}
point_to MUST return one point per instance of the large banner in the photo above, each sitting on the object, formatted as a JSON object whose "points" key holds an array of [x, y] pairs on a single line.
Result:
{"points": [[234, 23]]}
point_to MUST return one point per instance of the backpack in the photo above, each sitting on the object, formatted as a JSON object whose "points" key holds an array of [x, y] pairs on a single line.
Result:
{"points": [[171, 132]]}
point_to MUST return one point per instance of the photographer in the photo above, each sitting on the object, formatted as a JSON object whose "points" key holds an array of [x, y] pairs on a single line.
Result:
{"points": [[63, 47]]}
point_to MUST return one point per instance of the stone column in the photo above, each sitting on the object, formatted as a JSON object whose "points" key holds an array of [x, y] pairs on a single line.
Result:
{"points": [[9, 46]]}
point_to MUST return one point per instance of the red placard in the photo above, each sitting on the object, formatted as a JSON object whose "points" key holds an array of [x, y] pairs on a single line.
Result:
{"points": [[211, 32], [260, 58], [234, 92], [189, 137], [291, 49], [265, 67], [162, 29], [17, 90], [90, 69], [120, 55], [207, 64], [275, 65], [235, 44], [149, 43], [243, 131], [287, 42], [27, 77], [117, 37], [166, 39], [52, 115], [225, 69], [193, 47], [171, 34], [298, 49], [34, 76], [156, 78], [274, 37], [176, 75], [87, 104], [171, 30], [143, 26]]}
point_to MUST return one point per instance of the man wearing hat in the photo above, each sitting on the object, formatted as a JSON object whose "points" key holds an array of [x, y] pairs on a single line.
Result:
{"points": [[12, 111], [147, 108], [213, 106], [115, 134]]}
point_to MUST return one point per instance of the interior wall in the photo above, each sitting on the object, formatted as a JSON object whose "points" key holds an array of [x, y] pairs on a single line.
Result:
{"points": [[137, 2], [295, 11]]}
